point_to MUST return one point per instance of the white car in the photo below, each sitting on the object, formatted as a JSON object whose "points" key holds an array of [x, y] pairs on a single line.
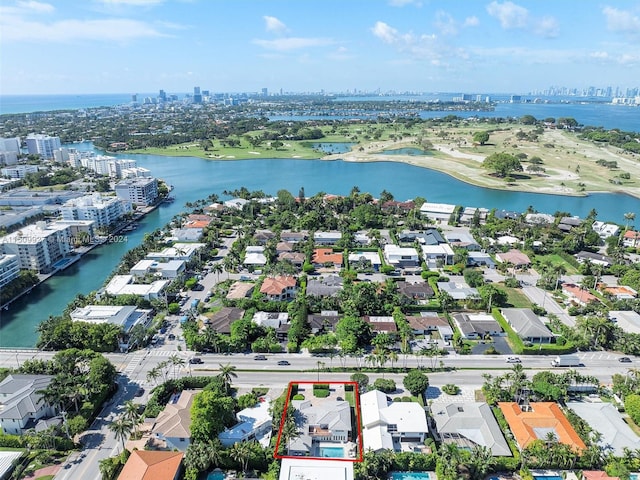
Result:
{"points": [[513, 360]]}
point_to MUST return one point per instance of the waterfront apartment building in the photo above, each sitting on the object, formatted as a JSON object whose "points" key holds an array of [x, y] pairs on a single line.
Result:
{"points": [[43, 145], [38, 247], [18, 172], [9, 269], [104, 211], [139, 191], [9, 150]]}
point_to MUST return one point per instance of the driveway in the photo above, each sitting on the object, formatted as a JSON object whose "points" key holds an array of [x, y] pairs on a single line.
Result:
{"points": [[499, 343]]}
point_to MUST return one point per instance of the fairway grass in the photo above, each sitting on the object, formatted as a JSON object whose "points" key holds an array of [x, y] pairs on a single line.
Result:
{"points": [[569, 162]]}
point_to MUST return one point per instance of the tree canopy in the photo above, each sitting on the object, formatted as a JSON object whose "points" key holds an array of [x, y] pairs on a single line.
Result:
{"points": [[502, 164]]}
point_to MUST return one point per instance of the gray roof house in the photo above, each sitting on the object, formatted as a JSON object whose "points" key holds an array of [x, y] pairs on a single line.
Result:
{"points": [[477, 325], [324, 287], [328, 421], [527, 325], [21, 406], [605, 419], [326, 321], [458, 290], [173, 424], [469, 424]]}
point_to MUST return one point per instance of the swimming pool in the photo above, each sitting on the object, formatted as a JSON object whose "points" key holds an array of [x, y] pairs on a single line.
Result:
{"points": [[409, 476], [332, 452], [547, 477], [216, 476]]}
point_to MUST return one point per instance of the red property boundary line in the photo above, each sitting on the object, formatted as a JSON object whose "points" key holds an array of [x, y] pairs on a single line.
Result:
{"points": [[359, 458]]}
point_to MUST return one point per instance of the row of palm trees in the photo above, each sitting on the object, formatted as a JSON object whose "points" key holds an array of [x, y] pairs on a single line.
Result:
{"points": [[127, 423]]}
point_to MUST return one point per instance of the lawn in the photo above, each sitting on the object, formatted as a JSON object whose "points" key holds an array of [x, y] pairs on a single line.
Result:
{"points": [[556, 259], [516, 298]]}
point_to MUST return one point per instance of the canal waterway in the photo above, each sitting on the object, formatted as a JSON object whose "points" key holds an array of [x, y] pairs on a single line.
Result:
{"points": [[195, 178]]}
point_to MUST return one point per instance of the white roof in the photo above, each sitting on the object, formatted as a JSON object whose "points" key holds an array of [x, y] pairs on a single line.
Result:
{"points": [[373, 257], [307, 469], [629, 321], [441, 249], [400, 251], [123, 285], [6, 461], [377, 413], [437, 207], [249, 420]]}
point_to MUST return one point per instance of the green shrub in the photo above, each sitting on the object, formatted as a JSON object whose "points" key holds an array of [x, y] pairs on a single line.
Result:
{"points": [[632, 407], [385, 385], [319, 393], [11, 441], [298, 396], [451, 389]]}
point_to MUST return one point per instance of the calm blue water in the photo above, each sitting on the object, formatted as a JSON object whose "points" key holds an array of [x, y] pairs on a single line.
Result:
{"points": [[406, 151], [547, 477], [333, 147], [332, 452], [596, 114], [216, 476], [409, 476]]}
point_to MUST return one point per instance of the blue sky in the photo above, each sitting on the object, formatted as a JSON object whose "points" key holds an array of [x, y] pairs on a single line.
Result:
{"points": [[118, 46]]}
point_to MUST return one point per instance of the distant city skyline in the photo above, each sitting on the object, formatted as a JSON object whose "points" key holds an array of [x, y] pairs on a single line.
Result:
{"points": [[118, 46]]}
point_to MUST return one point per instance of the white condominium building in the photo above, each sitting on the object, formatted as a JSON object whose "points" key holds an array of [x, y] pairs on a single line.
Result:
{"points": [[102, 210], [9, 269], [38, 247], [43, 145], [139, 190]]}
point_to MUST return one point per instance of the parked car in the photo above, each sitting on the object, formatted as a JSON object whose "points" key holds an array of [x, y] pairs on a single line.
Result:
{"points": [[624, 360], [198, 287], [195, 360], [513, 360], [283, 362], [171, 336], [139, 392], [260, 357]]}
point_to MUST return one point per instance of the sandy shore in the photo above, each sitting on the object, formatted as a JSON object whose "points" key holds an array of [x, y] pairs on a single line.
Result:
{"points": [[466, 166]]}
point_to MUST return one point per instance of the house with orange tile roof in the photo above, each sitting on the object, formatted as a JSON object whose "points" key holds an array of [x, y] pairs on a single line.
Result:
{"points": [[597, 475], [326, 256], [578, 295], [621, 292], [514, 257], [280, 288], [631, 239], [152, 465], [536, 421]]}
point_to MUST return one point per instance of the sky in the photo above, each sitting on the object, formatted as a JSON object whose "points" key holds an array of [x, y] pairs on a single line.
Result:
{"points": [[471, 46]]}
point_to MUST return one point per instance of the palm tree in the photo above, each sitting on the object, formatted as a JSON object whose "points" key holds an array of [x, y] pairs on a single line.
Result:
{"points": [[176, 361], [217, 268], [629, 217], [227, 373], [241, 452], [132, 415], [121, 428], [154, 374]]}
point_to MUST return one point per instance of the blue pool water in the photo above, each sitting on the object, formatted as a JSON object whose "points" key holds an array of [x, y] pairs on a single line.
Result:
{"points": [[409, 476], [633, 476], [216, 476], [332, 452], [547, 477]]}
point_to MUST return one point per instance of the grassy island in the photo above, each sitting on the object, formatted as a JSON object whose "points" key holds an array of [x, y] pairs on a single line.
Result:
{"points": [[553, 160]]}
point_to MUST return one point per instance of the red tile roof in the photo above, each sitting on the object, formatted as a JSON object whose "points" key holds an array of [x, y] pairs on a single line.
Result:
{"points": [[277, 285], [151, 465], [326, 255], [543, 416]]}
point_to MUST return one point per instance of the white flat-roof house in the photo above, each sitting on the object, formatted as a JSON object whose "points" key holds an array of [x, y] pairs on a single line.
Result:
{"points": [[254, 423], [396, 426], [371, 257], [327, 238], [434, 254], [605, 230], [125, 316], [254, 255], [179, 251], [401, 256], [21, 406], [124, 285], [163, 270], [439, 212]]}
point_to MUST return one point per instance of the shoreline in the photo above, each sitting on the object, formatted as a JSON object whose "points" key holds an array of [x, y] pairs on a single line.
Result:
{"points": [[444, 160]]}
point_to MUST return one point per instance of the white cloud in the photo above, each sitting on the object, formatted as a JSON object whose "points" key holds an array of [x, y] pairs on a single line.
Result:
{"points": [[509, 14], [35, 7], [600, 55], [293, 43], [385, 32], [274, 25], [340, 53], [445, 23], [112, 30], [513, 16], [547, 27], [471, 22], [621, 21]]}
